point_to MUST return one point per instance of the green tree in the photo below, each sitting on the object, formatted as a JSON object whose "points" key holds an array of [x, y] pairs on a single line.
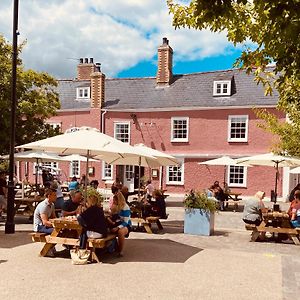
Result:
{"points": [[273, 28], [37, 101]]}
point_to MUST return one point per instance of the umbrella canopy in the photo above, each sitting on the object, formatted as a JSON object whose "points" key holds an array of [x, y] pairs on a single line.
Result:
{"points": [[295, 170], [76, 157], [272, 160], [147, 157], [35, 156], [222, 161], [85, 141]]}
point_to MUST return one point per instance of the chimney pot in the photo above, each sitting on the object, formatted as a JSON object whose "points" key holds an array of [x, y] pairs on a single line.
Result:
{"points": [[86, 60], [81, 60], [98, 66], [165, 41], [91, 60]]}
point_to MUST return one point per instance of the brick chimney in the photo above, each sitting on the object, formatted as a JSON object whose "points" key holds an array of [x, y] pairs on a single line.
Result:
{"points": [[97, 87], [165, 64], [85, 68]]}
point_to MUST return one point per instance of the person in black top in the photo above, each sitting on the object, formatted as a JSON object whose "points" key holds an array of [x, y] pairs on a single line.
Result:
{"points": [[92, 221], [72, 206]]}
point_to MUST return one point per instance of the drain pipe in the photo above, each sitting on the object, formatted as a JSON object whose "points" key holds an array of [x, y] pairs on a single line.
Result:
{"points": [[102, 120]]}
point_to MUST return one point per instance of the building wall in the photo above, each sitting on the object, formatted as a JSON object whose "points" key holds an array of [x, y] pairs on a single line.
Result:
{"points": [[208, 131]]}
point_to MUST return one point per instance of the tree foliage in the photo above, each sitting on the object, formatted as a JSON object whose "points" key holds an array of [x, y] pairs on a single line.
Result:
{"points": [[273, 28], [37, 101]]}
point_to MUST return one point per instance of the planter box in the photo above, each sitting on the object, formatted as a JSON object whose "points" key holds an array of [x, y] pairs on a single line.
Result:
{"points": [[199, 222]]}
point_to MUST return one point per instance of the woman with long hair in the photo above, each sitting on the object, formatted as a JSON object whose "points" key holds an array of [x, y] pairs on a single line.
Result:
{"points": [[124, 226]]}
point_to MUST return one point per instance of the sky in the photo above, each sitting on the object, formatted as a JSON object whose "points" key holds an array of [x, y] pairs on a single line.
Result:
{"points": [[123, 35]]}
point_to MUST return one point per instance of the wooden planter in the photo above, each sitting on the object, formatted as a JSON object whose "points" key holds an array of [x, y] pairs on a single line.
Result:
{"points": [[198, 222]]}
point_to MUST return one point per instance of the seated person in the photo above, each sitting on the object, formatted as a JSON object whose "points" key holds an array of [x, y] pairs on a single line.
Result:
{"points": [[159, 204], [149, 189], [92, 221], [113, 220], [44, 211], [72, 206], [296, 188], [124, 227], [73, 185], [254, 208], [117, 184], [294, 210], [219, 194], [59, 197]]}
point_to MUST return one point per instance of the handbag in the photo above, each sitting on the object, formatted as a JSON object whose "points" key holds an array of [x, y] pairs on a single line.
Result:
{"points": [[80, 256]]}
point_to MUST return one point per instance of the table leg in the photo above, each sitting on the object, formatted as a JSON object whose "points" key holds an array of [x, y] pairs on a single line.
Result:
{"points": [[147, 227], [49, 246], [160, 227], [295, 239]]}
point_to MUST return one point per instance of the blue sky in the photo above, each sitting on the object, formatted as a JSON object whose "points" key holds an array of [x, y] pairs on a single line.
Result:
{"points": [[123, 35]]}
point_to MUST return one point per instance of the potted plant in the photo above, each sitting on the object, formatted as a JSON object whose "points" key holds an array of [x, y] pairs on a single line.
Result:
{"points": [[199, 213]]}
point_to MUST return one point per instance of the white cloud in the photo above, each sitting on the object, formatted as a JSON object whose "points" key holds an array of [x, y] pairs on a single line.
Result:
{"points": [[118, 33]]}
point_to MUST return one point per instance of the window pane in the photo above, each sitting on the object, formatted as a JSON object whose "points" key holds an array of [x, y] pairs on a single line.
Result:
{"points": [[180, 129], [122, 132]]}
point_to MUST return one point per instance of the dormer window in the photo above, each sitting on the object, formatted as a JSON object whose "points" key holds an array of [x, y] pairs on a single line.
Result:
{"points": [[83, 93], [222, 88]]}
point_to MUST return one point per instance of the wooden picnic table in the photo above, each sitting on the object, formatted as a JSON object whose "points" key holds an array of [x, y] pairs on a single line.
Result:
{"points": [[66, 231], [146, 223], [26, 206], [275, 222], [235, 197]]}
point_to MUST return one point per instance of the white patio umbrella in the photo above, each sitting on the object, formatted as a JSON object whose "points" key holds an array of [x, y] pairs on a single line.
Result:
{"points": [[148, 157], [77, 157], [272, 160], [295, 170], [36, 156], [222, 161], [85, 141]]}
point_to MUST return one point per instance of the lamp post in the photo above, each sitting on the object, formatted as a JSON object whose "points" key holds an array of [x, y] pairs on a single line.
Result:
{"points": [[10, 225]]}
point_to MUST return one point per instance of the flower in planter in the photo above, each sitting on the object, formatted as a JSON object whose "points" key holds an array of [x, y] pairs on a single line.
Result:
{"points": [[200, 200]]}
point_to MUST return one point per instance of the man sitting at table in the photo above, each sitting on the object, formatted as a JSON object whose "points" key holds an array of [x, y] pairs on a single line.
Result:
{"points": [[72, 206], [294, 210], [44, 211]]}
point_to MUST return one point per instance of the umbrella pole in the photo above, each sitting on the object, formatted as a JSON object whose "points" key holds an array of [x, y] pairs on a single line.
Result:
{"points": [[224, 177], [36, 175], [276, 179], [139, 182]]}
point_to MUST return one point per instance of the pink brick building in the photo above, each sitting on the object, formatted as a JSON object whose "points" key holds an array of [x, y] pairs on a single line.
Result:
{"points": [[194, 117]]}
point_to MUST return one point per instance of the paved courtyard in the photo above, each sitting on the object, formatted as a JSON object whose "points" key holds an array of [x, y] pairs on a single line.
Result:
{"points": [[165, 265]]}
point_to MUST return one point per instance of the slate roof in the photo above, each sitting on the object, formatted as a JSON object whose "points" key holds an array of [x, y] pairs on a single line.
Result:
{"points": [[187, 91]]}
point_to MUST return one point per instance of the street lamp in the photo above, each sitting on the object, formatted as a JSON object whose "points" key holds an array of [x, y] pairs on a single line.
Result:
{"points": [[10, 225]]}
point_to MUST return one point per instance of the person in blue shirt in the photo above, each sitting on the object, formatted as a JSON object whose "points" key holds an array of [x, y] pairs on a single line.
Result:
{"points": [[74, 184], [124, 226]]}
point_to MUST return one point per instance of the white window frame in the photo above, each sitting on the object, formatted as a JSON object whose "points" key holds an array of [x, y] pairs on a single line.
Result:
{"points": [[52, 164], [83, 90], [168, 182], [55, 125], [71, 171], [183, 140], [222, 83], [231, 139], [104, 166], [244, 184], [115, 132]]}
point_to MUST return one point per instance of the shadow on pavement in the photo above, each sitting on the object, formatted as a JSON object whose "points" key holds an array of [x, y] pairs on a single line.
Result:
{"points": [[14, 240], [153, 250]]}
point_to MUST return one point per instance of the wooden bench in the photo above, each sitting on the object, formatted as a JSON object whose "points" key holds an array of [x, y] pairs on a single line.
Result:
{"points": [[92, 243], [146, 223], [38, 237], [293, 233]]}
